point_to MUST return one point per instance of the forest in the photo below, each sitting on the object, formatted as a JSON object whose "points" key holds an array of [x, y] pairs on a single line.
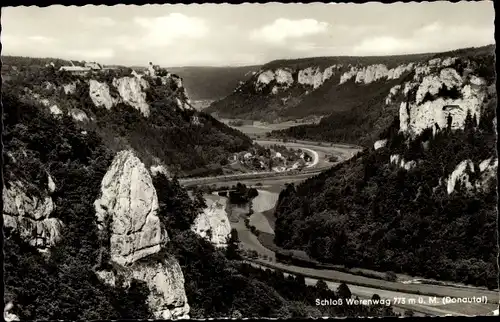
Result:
{"points": [[170, 135], [369, 213], [62, 284]]}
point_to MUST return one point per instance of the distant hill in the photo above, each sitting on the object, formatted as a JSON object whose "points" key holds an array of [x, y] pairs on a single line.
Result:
{"points": [[292, 89], [212, 83], [373, 106]]}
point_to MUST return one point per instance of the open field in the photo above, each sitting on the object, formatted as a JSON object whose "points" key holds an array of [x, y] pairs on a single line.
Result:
{"points": [[260, 129]]}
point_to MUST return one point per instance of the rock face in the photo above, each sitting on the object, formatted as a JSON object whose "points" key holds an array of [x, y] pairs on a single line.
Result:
{"points": [[379, 144], [397, 160], [487, 171], [213, 223], [30, 215], [435, 111], [99, 93], [373, 73], [8, 317], [310, 76], [129, 198], [165, 280], [131, 92]]}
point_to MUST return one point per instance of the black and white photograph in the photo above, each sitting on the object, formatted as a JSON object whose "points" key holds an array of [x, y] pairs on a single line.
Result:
{"points": [[255, 160]]}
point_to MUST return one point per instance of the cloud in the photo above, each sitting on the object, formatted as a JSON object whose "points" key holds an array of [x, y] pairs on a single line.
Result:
{"points": [[433, 37], [282, 29], [163, 31], [98, 21], [41, 39], [100, 53]]}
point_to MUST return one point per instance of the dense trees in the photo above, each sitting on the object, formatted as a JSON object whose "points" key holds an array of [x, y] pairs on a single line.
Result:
{"points": [[62, 285], [383, 217], [170, 135]]}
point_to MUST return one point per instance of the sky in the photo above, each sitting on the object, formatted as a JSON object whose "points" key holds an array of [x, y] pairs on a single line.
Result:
{"points": [[244, 34]]}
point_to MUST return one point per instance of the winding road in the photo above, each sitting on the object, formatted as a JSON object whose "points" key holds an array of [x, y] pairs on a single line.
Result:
{"points": [[419, 298]]}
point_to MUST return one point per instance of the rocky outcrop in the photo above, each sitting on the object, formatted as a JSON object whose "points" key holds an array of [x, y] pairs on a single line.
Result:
{"points": [[487, 172], [167, 297], [99, 93], [460, 175], [156, 169], [69, 88], [78, 115], [129, 202], [54, 110], [213, 224], [129, 198], [392, 93], [434, 112], [310, 76], [373, 73], [131, 92], [30, 215], [397, 160], [379, 144], [7, 316]]}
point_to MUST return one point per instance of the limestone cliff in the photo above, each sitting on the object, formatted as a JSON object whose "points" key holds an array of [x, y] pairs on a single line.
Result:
{"points": [[131, 92], [213, 224], [30, 214], [431, 109], [294, 89], [129, 201]]}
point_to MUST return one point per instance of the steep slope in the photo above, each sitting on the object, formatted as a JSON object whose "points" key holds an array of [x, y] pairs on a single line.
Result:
{"points": [[150, 114], [291, 89], [353, 90], [423, 200], [125, 248]]}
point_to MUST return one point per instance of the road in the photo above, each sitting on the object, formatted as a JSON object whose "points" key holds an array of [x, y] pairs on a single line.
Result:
{"points": [[364, 287]]}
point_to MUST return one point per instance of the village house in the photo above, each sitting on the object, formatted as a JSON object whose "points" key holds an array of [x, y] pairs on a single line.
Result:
{"points": [[75, 70], [93, 66]]}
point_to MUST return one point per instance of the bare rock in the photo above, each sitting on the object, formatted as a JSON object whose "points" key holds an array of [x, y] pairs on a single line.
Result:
{"points": [[100, 95], [131, 92], [213, 223], [29, 215], [129, 197]]}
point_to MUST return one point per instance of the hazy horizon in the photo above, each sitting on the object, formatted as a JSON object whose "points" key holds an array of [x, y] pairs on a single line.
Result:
{"points": [[222, 35]]}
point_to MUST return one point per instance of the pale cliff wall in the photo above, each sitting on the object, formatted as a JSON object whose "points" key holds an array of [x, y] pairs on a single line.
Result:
{"points": [[131, 91], [30, 215], [419, 115]]}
